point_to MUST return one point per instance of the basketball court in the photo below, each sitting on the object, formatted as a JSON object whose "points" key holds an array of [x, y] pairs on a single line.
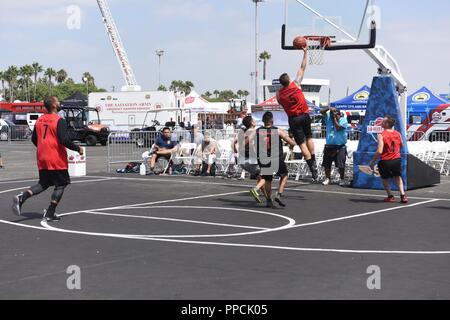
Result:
{"points": [[189, 238]]}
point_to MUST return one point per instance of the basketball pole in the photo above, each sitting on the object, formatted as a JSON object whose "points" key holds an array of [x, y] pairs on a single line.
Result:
{"points": [[386, 62]]}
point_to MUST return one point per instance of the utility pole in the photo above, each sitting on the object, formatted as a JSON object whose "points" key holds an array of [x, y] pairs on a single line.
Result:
{"points": [[159, 53], [256, 50]]}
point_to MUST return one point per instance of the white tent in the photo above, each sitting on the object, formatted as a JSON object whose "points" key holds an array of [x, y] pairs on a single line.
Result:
{"points": [[196, 104]]}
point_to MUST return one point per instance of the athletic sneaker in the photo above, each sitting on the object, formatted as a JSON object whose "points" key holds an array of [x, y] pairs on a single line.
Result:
{"points": [[17, 204], [315, 174], [390, 199], [50, 217], [342, 183], [269, 204], [326, 182], [404, 199], [278, 200], [254, 193]]}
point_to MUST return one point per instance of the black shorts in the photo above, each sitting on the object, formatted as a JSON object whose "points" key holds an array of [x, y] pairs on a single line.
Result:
{"points": [[390, 168], [336, 155], [252, 169], [282, 171], [57, 178], [301, 128]]}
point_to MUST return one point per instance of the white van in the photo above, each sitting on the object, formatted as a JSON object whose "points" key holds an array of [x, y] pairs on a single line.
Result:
{"points": [[32, 118]]}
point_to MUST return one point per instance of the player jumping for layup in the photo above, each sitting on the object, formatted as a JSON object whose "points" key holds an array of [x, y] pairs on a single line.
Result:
{"points": [[292, 99], [51, 139]]}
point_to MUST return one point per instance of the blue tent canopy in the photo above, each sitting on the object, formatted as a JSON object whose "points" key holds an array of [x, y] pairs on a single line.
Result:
{"points": [[356, 101], [423, 100], [445, 96]]}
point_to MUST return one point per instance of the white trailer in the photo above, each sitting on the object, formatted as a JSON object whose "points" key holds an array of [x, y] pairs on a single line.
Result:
{"points": [[127, 110]]}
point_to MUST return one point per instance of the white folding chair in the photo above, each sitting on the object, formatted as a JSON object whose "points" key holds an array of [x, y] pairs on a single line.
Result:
{"points": [[226, 156], [185, 155], [439, 156], [295, 166]]}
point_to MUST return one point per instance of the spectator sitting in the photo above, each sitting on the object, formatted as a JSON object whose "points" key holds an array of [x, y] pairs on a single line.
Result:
{"points": [[164, 146], [197, 136], [206, 155]]}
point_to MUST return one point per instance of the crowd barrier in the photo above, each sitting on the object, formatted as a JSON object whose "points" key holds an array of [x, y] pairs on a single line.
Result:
{"points": [[15, 133]]}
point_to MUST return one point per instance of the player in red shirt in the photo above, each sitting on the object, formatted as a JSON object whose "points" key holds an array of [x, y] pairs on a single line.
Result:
{"points": [[390, 166], [293, 101], [51, 139]]}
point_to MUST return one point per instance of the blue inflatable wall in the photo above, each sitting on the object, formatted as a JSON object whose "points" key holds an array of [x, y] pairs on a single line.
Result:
{"points": [[384, 100]]}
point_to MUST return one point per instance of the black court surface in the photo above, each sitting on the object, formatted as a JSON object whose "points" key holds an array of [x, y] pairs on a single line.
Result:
{"points": [[193, 238]]}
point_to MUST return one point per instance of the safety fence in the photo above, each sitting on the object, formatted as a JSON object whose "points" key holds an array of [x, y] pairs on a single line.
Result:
{"points": [[17, 133], [131, 146]]}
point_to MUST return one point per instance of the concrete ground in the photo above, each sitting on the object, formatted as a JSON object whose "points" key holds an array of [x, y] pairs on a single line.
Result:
{"points": [[173, 237]]}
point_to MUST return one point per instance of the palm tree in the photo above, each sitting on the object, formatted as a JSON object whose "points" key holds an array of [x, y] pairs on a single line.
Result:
{"points": [[11, 78], [207, 94], [240, 93], [2, 79], [245, 94], [61, 76], [187, 87], [26, 72], [90, 79], [49, 73], [264, 56], [162, 88], [37, 68], [216, 93]]}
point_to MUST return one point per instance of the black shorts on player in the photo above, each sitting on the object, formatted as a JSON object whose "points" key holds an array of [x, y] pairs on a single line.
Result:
{"points": [[390, 168], [300, 127], [282, 171]]}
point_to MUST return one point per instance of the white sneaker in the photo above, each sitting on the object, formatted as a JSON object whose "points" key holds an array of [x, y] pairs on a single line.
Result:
{"points": [[326, 182], [342, 183]]}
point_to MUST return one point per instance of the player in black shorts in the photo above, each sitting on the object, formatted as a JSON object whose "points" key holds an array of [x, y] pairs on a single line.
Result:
{"points": [[271, 157]]}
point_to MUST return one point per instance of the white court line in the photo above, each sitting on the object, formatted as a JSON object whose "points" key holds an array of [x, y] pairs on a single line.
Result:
{"points": [[287, 189], [155, 202], [37, 178], [174, 219], [363, 214], [358, 194], [73, 182], [47, 227], [246, 245]]}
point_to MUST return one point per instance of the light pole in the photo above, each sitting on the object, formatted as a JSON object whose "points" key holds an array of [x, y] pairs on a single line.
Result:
{"points": [[159, 53], [256, 50], [86, 79], [252, 74]]}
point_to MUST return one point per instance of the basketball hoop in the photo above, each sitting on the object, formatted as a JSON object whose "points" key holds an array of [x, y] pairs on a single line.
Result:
{"points": [[316, 48]]}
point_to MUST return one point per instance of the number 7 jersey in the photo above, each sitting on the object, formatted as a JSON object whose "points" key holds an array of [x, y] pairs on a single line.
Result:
{"points": [[51, 154]]}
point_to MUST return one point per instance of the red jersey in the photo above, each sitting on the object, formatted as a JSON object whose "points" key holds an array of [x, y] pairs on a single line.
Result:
{"points": [[51, 154], [392, 144], [293, 100]]}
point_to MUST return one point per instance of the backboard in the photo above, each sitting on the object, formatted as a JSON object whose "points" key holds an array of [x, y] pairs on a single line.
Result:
{"points": [[351, 24]]}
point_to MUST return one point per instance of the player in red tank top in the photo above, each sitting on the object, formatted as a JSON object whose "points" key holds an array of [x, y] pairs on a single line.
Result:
{"points": [[389, 148], [293, 101], [51, 139]]}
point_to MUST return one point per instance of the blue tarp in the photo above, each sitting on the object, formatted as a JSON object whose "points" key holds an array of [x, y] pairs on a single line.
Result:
{"points": [[423, 100], [445, 96], [356, 101]]}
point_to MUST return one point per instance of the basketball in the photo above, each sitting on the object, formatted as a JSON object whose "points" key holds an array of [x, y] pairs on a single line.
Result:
{"points": [[300, 43]]}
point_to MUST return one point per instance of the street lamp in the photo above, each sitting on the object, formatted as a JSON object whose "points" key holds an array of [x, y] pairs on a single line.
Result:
{"points": [[86, 80], [159, 53], [252, 74], [256, 49]]}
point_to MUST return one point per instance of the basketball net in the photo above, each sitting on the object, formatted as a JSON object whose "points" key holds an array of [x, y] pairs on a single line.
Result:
{"points": [[316, 50]]}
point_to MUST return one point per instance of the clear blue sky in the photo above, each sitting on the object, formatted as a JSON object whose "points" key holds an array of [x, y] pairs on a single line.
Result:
{"points": [[211, 42]]}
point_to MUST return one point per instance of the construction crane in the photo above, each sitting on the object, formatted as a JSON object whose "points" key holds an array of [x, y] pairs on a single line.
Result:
{"points": [[119, 49]]}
